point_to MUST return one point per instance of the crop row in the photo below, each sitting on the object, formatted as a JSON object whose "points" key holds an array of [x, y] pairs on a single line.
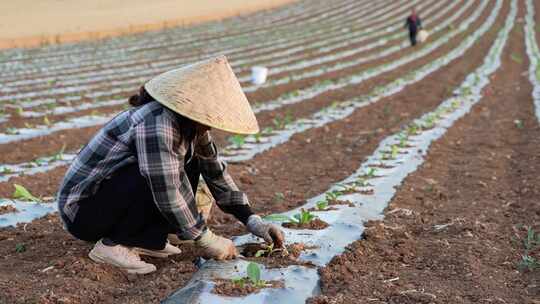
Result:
{"points": [[332, 240], [299, 96]]}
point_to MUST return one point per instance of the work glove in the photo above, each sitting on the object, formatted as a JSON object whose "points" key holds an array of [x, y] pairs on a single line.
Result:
{"points": [[269, 232], [216, 247]]}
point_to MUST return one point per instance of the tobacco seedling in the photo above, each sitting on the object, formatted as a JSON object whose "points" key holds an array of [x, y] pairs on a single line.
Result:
{"points": [[22, 193], [20, 247], [322, 205], [279, 197], [530, 243], [402, 140], [12, 131], [302, 218], [237, 141], [277, 218], [6, 170], [265, 252], [516, 58], [519, 124], [371, 172], [394, 151], [333, 195], [19, 111], [60, 155], [257, 137], [46, 121], [254, 275]]}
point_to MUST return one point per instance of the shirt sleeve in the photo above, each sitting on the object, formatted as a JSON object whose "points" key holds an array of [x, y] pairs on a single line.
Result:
{"points": [[214, 171], [161, 152]]}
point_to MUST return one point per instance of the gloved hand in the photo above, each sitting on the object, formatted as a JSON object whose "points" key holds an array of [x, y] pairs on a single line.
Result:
{"points": [[216, 247], [269, 232]]}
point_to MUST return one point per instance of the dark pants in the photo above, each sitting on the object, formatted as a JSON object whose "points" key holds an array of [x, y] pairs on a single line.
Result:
{"points": [[123, 210], [412, 36]]}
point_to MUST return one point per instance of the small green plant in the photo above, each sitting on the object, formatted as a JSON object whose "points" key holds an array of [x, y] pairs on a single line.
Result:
{"points": [[12, 131], [371, 172], [403, 140], [6, 170], [19, 111], [413, 129], [333, 195], [517, 58], [237, 140], [322, 205], [20, 248], [519, 124], [279, 197], [60, 154], [394, 150], [530, 243], [277, 218], [28, 125], [265, 252], [302, 218], [253, 277], [257, 137], [22, 193], [46, 120]]}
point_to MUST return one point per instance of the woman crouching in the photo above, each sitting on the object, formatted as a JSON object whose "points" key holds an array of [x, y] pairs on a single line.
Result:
{"points": [[133, 184]]}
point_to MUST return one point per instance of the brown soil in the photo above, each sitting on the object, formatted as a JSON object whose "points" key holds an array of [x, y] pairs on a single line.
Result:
{"points": [[470, 203], [278, 258], [233, 289], [265, 94], [303, 170], [315, 224], [77, 21], [7, 209], [29, 149]]}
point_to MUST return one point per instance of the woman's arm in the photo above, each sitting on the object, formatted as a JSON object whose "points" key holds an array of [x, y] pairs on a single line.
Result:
{"points": [[224, 190]]}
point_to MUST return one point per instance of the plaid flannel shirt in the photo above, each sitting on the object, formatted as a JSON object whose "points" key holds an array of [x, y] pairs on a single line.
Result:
{"points": [[150, 135]]}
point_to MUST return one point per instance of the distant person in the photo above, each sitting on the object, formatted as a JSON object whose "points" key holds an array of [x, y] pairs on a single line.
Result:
{"points": [[413, 23]]}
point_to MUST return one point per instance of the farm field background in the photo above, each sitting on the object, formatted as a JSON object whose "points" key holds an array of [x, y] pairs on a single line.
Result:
{"points": [[436, 148]]}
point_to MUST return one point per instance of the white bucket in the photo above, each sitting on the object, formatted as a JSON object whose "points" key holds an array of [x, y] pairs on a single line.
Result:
{"points": [[422, 36], [258, 75]]}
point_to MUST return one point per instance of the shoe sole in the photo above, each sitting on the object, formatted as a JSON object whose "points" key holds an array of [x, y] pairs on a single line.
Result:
{"points": [[98, 259]]}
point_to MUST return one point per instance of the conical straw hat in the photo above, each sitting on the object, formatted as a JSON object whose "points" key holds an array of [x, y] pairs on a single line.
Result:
{"points": [[207, 92]]}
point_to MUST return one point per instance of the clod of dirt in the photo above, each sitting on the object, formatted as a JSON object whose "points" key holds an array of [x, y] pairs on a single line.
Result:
{"points": [[316, 224], [233, 289], [8, 209]]}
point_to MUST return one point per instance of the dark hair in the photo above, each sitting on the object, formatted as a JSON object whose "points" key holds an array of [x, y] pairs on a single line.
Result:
{"points": [[140, 99]]}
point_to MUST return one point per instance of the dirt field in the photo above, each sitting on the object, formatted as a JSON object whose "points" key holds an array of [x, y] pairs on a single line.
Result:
{"points": [[343, 81], [53, 21]]}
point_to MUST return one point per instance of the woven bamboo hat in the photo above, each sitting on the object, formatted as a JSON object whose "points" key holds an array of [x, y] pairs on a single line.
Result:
{"points": [[207, 92]]}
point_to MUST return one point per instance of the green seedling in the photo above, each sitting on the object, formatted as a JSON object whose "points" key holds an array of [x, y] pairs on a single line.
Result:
{"points": [[237, 140], [302, 218], [12, 131], [322, 205], [277, 218], [23, 194], [333, 195], [28, 125], [519, 124], [59, 155], [516, 58], [403, 140], [413, 129], [240, 282], [394, 150], [371, 172], [529, 263], [46, 121], [265, 252], [538, 73], [6, 170], [20, 248], [254, 275], [19, 111], [279, 197], [257, 137], [267, 130], [361, 182]]}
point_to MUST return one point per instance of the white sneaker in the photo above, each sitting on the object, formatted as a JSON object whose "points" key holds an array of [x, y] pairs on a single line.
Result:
{"points": [[163, 253], [121, 257]]}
